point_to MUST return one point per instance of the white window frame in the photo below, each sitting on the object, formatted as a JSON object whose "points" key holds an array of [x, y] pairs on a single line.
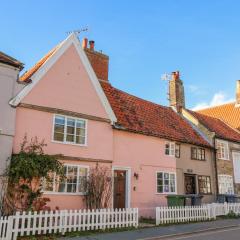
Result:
{"points": [[68, 193], [236, 165], [164, 193], [65, 130], [222, 150], [171, 149], [225, 178]]}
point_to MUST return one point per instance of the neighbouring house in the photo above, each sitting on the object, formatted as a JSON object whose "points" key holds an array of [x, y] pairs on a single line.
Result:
{"points": [[226, 140], [229, 112], [69, 102], [196, 165], [9, 72]]}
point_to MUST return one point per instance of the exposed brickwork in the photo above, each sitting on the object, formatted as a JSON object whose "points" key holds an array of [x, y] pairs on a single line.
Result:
{"points": [[225, 167], [176, 92], [99, 63]]}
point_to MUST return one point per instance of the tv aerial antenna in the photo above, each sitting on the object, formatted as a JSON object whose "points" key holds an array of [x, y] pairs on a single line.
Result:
{"points": [[167, 77], [78, 31]]}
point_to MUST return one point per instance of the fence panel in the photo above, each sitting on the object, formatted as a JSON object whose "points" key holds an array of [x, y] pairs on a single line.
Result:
{"points": [[166, 215], [43, 222]]}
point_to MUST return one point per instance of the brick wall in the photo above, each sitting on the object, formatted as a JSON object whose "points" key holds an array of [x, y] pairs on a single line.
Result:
{"points": [[99, 62]]}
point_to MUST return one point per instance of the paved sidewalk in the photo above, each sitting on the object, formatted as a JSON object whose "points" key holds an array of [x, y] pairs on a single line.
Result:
{"points": [[160, 231]]}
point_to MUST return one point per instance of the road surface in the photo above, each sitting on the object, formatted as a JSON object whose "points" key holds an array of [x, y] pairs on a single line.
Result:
{"points": [[221, 234]]}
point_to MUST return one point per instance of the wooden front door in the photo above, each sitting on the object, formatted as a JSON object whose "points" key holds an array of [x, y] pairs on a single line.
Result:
{"points": [[190, 184], [119, 200]]}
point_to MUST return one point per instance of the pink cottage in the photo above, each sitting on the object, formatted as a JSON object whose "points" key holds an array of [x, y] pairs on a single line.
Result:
{"points": [[69, 102]]}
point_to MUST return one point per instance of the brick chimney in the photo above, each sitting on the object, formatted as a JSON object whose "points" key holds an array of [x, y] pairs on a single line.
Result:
{"points": [[176, 92], [238, 92], [98, 60]]}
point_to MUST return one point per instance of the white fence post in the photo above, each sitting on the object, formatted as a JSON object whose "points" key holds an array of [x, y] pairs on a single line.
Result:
{"points": [[226, 209], [9, 228], [157, 215]]}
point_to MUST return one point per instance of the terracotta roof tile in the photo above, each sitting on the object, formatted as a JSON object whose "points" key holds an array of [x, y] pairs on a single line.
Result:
{"points": [[221, 129], [229, 113], [141, 116], [28, 74]]}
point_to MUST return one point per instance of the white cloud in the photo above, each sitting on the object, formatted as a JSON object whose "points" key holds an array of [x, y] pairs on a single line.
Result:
{"points": [[218, 99]]}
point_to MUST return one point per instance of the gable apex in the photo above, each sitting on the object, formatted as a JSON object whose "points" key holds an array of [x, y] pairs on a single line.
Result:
{"points": [[50, 59]]}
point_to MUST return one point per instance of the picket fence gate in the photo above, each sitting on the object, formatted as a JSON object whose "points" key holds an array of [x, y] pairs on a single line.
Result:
{"points": [[165, 215], [43, 222]]}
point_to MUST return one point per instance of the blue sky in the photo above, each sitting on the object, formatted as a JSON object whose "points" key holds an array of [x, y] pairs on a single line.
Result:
{"points": [[143, 39]]}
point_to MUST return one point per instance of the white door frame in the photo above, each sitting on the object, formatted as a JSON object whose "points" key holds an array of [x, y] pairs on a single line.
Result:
{"points": [[128, 185]]}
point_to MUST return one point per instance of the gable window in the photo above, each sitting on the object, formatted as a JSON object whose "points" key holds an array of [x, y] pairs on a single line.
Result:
{"points": [[73, 182], [225, 183], [69, 130], [166, 182], [197, 153], [222, 150], [204, 184], [172, 149]]}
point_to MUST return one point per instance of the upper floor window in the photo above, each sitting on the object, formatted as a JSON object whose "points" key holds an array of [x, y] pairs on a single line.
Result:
{"points": [[73, 181], [166, 182], [172, 149], [198, 153], [225, 184], [69, 130], [222, 150]]}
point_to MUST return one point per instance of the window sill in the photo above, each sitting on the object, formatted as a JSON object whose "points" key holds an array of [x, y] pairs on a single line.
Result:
{"points": [[68, 143], [201, 160], [64, 193], [224, 159], [165, 193]]}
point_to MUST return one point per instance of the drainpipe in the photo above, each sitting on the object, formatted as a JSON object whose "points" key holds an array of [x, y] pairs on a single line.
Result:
{"points": [[215, 163]]}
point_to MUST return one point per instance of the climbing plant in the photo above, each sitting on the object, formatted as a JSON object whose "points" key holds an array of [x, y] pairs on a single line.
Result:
{"points": [[25, 175], [98, 187]]}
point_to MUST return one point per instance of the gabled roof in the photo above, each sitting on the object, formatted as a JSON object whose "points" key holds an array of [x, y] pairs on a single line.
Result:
{"points": [[229, 113], [6, 59], [28, 74], [37, 72], [140, 116], [220, 128]]}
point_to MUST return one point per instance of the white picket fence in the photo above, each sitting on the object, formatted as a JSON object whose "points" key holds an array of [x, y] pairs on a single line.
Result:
{"points": [[35, 223], [165, 215]]}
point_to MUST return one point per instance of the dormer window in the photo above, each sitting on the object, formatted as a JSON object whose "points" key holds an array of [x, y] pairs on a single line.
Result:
{"points": [[172, 149]]}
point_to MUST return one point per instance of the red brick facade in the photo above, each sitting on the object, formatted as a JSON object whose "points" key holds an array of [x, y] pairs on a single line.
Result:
{"points": [[99, 63]]}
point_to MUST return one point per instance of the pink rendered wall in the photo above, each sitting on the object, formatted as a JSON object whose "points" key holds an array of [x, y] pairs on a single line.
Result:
{"points": [[145, 156], [67, 86], [71, 201], [40, 124]]}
